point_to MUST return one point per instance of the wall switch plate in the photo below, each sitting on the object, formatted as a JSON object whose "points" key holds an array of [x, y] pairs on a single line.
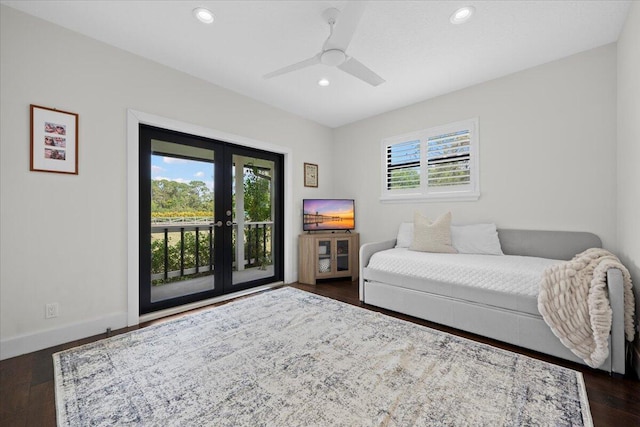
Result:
{"points": [[51, 310]]}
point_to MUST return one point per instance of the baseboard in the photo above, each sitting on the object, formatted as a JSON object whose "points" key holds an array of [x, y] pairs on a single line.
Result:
{"points": [[23, 344]]}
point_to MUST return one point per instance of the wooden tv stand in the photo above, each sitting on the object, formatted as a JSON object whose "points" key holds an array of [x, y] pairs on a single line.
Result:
{"points": [[327, 256]]}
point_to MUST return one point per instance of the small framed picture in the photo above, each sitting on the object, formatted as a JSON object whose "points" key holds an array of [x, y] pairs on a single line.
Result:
{"points": [[310, 175], [54, 140]]}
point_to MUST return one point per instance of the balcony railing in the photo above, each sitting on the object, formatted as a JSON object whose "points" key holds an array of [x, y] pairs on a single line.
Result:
{"points": [[185, 249], [187, 220]]}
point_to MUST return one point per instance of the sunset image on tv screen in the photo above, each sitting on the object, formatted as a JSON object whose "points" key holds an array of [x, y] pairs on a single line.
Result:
{"points": [[331, 214]]}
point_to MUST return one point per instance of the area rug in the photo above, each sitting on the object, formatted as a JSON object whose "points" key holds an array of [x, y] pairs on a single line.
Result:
{"points": [[291, 358]]}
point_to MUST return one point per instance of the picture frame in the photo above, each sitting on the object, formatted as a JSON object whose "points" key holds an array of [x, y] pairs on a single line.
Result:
{"points": [[54, 140], [310, 175]]}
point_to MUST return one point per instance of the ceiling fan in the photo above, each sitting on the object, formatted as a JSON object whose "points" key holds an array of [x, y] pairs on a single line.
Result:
{"points": [[333, 51]]}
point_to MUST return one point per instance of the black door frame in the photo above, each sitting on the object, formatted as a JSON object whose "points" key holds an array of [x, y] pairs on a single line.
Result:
{"points": [[223, 255]]}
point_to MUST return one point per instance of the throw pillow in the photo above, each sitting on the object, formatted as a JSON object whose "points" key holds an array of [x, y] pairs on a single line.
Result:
{"points": [[405, 235], [432, 236], [476, 239]]}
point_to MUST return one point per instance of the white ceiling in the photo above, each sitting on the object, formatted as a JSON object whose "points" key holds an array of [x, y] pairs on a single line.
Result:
{"points": [[411, 44]]}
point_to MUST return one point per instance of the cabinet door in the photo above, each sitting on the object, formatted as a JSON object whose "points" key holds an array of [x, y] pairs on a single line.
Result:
{"points": [[324, 257], [343, 256]]}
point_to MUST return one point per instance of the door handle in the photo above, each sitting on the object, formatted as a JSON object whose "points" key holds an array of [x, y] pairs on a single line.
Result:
{"points": [[216, 224], [229, 223]]}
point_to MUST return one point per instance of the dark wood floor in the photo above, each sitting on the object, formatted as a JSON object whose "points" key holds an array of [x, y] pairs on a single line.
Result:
{"points": [[27, 390]]}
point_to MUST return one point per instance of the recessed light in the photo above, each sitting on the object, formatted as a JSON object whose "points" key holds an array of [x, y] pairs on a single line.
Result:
{"points": [[324, 82], [203, 15], [462, 15]]}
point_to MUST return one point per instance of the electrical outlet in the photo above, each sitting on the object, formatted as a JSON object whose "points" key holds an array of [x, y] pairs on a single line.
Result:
{"points": [[51, 310]]}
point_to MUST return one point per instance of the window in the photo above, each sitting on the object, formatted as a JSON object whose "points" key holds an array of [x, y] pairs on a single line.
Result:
{"points": [[440, 163]]}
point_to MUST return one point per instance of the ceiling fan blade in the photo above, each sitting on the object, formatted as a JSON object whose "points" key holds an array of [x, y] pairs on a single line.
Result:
{"points": [[297, 66], [346, 25], [358, 69]]}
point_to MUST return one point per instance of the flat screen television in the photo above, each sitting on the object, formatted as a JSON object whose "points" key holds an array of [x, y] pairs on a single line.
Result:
{"points": [[328, 214]]}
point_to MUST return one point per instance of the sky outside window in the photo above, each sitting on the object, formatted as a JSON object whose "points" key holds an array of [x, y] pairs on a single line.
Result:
{"points": [[181, 170]]}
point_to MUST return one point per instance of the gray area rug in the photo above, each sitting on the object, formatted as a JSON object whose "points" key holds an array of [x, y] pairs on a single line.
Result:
{"points": [[292, 358]]}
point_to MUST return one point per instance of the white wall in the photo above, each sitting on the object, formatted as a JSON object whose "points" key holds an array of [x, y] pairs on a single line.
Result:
{"points": [[629, 153], [547, 151], [64, 237]]}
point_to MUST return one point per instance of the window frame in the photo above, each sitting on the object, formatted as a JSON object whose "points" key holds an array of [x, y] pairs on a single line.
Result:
{"points": [[424, 193]]}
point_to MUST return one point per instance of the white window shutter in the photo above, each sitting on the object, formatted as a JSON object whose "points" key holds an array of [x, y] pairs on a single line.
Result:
{"points": [[403, 165], [449, 159], [439, 163]]}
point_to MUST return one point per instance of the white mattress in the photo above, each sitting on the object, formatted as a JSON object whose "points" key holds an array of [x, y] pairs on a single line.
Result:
{"points": [[511, 274]]}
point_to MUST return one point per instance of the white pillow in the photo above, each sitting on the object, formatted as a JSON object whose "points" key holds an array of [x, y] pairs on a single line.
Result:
{"points": [[476, 239], [432, 236], [405, 235]]}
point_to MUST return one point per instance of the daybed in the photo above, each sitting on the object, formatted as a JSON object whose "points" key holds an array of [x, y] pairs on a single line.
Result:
{"points": [[488, 311]]}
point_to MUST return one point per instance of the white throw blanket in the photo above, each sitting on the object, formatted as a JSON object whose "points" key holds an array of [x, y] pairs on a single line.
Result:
{"points": [[574, 302]]}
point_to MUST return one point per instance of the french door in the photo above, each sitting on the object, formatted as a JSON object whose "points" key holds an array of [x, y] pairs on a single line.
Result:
{"points": [[211, 218]]}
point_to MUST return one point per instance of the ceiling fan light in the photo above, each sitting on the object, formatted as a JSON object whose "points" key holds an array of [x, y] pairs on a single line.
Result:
{"points": [[203, 15], [462, 15], [324, 82]]}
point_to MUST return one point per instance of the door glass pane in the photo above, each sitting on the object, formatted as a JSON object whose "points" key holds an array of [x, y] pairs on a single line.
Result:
{"points": [[342, 255], [324, 256], [252, 216], [182, 213]]}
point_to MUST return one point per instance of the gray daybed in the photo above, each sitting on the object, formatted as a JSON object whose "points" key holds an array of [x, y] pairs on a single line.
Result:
{"points": [[490, 313]]}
